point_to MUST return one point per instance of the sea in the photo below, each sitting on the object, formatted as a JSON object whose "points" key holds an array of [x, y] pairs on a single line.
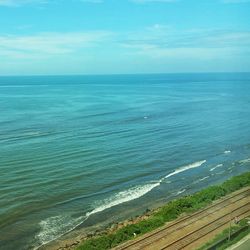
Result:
{"points": [[81, 151]]}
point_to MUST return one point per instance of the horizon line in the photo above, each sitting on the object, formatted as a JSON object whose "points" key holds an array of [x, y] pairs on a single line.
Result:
{"points": [[122, 74]]}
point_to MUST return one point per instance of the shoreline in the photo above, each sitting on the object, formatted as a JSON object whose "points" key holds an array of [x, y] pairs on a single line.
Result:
{"points": [[78, 237], [72, 239], [104, 218]]}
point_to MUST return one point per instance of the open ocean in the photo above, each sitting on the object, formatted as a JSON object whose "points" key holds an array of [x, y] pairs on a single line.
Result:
{"points": [[78, 151]]}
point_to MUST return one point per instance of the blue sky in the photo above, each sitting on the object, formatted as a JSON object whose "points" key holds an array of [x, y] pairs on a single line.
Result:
{"points": [[123, 36]]}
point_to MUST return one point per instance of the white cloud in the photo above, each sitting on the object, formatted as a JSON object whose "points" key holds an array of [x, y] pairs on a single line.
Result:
{"points": [[157, 45], [167, 36], [236, 1], [154, 1], [49, 44], [13, 3], [92, 1], [159, 41]]}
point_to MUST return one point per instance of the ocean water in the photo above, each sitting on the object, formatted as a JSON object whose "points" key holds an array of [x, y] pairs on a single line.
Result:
{"points": [[76, 151]]}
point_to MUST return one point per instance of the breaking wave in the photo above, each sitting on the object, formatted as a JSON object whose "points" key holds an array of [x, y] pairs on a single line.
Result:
{"points": [[55, 227], [180, 191], [217, 166], [201, 179], [138, 191], [124, 196], [204, 178], [185, 168], [245, 161]]}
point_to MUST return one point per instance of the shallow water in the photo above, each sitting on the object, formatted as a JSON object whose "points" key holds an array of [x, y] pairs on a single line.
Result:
{"points": [[74, 148]]}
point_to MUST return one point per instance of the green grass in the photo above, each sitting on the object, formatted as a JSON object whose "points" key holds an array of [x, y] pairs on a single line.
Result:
{"points": [[168, 212], [225, 234], [235, 240]]}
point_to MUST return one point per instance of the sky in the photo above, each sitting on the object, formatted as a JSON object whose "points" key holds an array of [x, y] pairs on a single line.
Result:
{"points": [[42, 37]]}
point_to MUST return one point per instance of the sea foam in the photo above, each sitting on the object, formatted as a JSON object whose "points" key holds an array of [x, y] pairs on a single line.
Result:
{"points": [[55, 227], [217, 166], [245, 161], [204, 178], [180, 191], [185, 168], [124, 196], [137, 191]]}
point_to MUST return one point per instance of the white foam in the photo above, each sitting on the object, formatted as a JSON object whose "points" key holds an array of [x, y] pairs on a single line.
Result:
{"points": [[245, 161], [201, 179], [137, 191], [168, 182], [217, 166], [204, 178], [221, 172], [55, 227], [124, 196], [227, 152], [182, 169], [181, 191]]}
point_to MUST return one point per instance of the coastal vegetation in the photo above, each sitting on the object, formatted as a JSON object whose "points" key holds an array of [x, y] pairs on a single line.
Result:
{"points": [[168, 212], [223, 237]]}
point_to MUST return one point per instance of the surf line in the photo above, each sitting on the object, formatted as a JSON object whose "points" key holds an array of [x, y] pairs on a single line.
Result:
{"points": [[84, 218], [182, 169], [125, 196]]}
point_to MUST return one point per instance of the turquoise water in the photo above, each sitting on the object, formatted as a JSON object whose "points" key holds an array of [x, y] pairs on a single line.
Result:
{"points": [[75, 150]]}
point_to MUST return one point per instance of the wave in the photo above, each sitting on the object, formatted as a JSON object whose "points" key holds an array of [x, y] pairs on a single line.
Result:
{"points": [[245, 161], [23, 86], [54, 227], [138, 191], [182, 169], [201, 179], [217, 166], [221, 172], [124, 196], [204, 178], [227, 152], [180, 191]]}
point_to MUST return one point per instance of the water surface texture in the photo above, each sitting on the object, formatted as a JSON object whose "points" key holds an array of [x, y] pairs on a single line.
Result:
{"points": [[77, 150]]}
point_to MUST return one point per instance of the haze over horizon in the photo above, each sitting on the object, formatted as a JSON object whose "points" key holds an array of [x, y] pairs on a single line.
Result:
{"points": [[40, 37]]}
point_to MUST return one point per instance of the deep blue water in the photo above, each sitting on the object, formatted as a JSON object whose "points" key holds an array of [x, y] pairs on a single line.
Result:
{"points": [[78, 150]]}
